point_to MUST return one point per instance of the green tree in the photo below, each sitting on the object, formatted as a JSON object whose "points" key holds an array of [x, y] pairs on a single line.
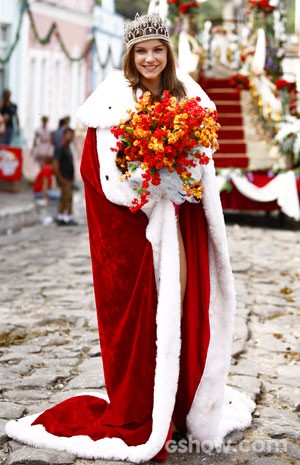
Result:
{"points": [[290, 14], [131, 7]]}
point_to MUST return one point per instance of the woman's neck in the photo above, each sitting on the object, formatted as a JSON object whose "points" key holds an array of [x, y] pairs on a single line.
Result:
{"points": [[154, 86]]}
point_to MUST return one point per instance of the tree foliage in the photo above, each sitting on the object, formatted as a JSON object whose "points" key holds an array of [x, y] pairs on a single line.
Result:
{"points": [[129, 8]]}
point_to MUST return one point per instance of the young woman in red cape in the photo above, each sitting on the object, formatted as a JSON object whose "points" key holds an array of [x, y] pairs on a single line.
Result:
{"points": [[163, 287]]}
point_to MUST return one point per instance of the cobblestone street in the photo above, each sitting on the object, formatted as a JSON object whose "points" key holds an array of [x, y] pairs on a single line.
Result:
{"points": [[49, 346]]}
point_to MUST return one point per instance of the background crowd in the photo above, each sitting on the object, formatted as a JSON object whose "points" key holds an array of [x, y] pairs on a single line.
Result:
{"points": [[52, 151]]}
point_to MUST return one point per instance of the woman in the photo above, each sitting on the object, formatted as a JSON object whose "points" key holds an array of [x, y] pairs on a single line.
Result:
{"points": [[42, 144], [164, 293]]}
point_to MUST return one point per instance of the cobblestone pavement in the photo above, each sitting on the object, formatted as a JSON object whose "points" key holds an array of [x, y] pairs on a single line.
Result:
{"points": [[49, 346]]}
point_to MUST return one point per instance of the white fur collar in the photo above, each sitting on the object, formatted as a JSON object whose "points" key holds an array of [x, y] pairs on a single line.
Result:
{"points": [[113, 97]]}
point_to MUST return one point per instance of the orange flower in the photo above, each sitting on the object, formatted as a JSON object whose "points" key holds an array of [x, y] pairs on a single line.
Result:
{"points": [[165, 134]]}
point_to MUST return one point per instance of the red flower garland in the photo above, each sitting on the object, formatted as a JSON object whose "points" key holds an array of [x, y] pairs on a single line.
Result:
{"points": [[262, 4], [165, 134]]}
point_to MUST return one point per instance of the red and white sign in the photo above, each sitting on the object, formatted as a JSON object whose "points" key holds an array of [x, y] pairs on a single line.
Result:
{"points": [[10, 163]]}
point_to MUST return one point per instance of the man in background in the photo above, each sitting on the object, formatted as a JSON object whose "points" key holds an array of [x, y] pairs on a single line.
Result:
{"points": [[63, 168]]}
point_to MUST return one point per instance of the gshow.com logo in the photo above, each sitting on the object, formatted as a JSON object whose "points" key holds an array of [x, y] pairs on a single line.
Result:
{"points": [[189, 445]]}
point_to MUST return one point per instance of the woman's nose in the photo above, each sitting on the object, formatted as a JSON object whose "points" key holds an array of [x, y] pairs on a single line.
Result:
{"points": [[149, 57]]}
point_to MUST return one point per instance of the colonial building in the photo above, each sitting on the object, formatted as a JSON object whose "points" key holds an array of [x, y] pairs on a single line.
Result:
{"points": [[58, 72], [63, 49]]}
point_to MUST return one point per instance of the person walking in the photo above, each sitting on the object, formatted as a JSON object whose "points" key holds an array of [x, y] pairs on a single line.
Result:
{"points": [[57, 134], [63, 168], [42, 144], [2, 127], [9, 110], [162, 277]]}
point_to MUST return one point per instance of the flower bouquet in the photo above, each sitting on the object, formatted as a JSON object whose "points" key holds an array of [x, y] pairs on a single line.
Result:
{"points": [[164, 139]]}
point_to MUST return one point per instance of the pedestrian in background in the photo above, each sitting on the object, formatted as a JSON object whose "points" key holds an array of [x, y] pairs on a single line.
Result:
{"points": [[2, 127], [57, 134], [42, 144], [9, 110], [63, 167], [43, 184]]}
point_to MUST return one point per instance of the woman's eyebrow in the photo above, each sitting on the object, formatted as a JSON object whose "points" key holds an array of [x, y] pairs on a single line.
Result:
{"points": [[144, 48]]}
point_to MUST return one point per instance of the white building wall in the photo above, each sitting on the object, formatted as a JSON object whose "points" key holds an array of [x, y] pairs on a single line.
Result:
{"points": [[10, 13], [108, 27]]}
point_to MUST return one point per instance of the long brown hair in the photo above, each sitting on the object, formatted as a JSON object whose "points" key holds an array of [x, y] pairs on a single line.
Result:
{"points": [[170, 81]]}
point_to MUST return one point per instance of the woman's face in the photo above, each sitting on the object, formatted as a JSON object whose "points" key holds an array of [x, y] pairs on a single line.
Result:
{"points": [[150, 58]]}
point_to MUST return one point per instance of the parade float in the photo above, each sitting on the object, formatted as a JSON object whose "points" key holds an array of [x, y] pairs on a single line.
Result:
{"points": [[275, 184], [238, 60]]}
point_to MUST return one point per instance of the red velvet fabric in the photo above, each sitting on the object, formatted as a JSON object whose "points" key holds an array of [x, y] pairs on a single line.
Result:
{"points": [[126, 300]]}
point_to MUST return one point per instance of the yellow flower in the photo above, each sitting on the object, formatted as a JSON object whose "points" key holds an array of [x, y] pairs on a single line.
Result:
{"points": [[139, 106], [172, 138], [184, 175], [177, 119]]}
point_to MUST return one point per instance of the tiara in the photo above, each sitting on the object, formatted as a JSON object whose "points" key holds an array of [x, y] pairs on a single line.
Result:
{"points": [[146, 27]]}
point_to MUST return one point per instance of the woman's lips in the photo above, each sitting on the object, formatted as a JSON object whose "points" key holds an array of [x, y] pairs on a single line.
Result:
{"points": [[150, 68]]}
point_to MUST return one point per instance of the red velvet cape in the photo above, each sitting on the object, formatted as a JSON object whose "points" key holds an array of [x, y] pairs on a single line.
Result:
{"points": [[126, 300]]}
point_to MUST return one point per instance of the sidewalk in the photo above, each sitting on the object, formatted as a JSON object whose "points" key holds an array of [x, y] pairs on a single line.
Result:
{"points": [[19, 209]]}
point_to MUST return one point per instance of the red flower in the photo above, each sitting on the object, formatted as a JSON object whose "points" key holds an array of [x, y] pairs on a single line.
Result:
{"points": [[263, 4], [282, 83], [239, 81], [185, 7], [166, 135]]}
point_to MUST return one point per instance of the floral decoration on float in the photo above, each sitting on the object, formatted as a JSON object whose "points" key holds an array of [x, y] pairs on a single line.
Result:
{"points": [[162, 138], [288, 138], [265, 5], [239, 81], [180, 9], [183, 6]]}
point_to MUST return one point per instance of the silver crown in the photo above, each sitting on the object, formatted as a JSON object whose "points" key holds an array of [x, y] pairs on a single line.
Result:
{"points": [[146, 27]]}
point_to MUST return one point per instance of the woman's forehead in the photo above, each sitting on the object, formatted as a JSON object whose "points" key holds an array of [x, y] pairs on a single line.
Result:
{"points": [[149, 44]]}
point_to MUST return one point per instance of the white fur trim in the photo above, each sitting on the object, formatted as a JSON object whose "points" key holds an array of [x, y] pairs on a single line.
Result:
{"points": [[108, 103], [161, 230], [206, 417], [116, 191], [113, 97], [236, 413]]}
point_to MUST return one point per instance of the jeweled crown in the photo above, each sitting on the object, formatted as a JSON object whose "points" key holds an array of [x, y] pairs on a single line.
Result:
{"points": [[146, 27]]}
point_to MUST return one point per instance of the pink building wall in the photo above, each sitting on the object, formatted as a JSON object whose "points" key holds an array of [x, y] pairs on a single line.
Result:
{"points": [[51, 84], [55, 86]]}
